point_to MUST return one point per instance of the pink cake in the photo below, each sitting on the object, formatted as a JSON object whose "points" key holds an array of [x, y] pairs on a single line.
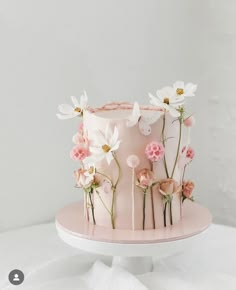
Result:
{"points": [[132, 159]]}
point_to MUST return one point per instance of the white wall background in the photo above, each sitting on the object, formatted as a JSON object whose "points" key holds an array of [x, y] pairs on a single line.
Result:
{"points": [[116, 50]]}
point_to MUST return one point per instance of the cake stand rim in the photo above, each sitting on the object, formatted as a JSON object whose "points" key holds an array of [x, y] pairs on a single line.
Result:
{"points": [[88, 232]]}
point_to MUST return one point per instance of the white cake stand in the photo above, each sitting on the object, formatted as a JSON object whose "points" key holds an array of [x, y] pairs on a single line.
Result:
{"points": [[132, 250]]}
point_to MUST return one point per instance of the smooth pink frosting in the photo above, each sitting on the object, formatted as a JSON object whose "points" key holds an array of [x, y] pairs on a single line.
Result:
{"points": [[134, 143]]}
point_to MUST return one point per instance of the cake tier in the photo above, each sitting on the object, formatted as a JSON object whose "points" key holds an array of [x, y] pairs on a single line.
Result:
{"points": [[133, 142]]}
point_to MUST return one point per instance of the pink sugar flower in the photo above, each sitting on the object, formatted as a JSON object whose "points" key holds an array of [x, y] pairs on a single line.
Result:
{"points": [[145, 178], [78, 153], [81, 128], [188, 187], [155, 151], [81, 138], [82, 180], [190, 153]]}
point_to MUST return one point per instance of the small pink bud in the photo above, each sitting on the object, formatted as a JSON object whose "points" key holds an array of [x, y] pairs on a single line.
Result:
{"points": [[188, 187], [189, 121]]}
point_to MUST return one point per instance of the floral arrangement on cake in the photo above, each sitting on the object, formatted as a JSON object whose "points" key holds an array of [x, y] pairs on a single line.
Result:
{"points": [[104, 145]]}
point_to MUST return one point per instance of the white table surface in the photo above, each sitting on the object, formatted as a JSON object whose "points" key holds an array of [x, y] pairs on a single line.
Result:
{"points": [[48, 263]]}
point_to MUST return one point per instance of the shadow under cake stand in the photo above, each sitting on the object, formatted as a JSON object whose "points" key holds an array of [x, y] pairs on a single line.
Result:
{"points": [[132, 250]]}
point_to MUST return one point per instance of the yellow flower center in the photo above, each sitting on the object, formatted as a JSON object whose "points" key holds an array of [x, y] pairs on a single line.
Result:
{"points": [[78, 110], [106, 148], [166, 101], [179, 91], [91, 170]]}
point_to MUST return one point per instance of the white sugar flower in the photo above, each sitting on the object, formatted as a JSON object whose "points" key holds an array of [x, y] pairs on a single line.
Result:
{"points": [[90, 170], [69, 111], [104, 145], [166, 100], [181, 90]]}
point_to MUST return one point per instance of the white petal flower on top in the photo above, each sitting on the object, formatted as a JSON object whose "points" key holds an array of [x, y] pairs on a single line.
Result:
{"points": [[69, 111], [181, 90], [167, 100], [104, 145]]}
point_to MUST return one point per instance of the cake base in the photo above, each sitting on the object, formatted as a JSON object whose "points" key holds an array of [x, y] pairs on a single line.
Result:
{"points": [[132, 250]]}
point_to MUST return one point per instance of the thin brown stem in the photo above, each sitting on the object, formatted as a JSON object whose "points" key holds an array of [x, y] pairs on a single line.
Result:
{"points": [[164, 213], [92, 207], [144, 207], [179, 142], [114, 191], [163, 142]]}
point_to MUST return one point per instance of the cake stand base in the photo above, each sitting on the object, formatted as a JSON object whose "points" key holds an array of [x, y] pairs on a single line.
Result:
{"points": [[133, 250]]}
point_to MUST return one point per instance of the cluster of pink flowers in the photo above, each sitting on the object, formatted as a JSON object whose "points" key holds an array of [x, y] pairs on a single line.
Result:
{"points": [[188, 187], [155, 151], [78, 153], [81, 150]]}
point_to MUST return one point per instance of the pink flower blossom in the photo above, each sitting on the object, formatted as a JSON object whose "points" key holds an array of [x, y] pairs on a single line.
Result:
{"points": [[145, 178], [81, 138], [78, 153], [188, 187], [133, 161], [190, 153], [189, 121], [169, 186], [155, 151], [82, 180], [81, 128]]}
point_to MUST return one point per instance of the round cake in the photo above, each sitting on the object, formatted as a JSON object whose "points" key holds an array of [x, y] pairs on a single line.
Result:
{"points": [[133, 159]]}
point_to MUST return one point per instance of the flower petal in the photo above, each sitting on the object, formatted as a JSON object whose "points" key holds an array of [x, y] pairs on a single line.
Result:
{"points": [[116, 146], [114, 137], [109, 157], [155, 101], [84, 101], [190, 90], [65, 109], [75, 102], [178, 85], [65, 117]]}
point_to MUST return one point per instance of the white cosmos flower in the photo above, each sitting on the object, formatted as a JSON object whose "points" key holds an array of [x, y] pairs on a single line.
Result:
{"points": [[104, 145], [166, 100], [90, 170], [69, 111], [181, 90]]}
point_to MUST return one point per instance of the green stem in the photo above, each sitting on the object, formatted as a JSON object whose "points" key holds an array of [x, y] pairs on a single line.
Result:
{"points": [[164, 213], [163, 142], [103, 203], [153, 215], [182, 182], [171, 218], [114, 191], [177, 154], [100, 173], [92, 207], [144, 207]]}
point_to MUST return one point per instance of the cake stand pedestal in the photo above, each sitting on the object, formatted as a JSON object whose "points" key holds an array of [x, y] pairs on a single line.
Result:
{"points": [[133, 250]]}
